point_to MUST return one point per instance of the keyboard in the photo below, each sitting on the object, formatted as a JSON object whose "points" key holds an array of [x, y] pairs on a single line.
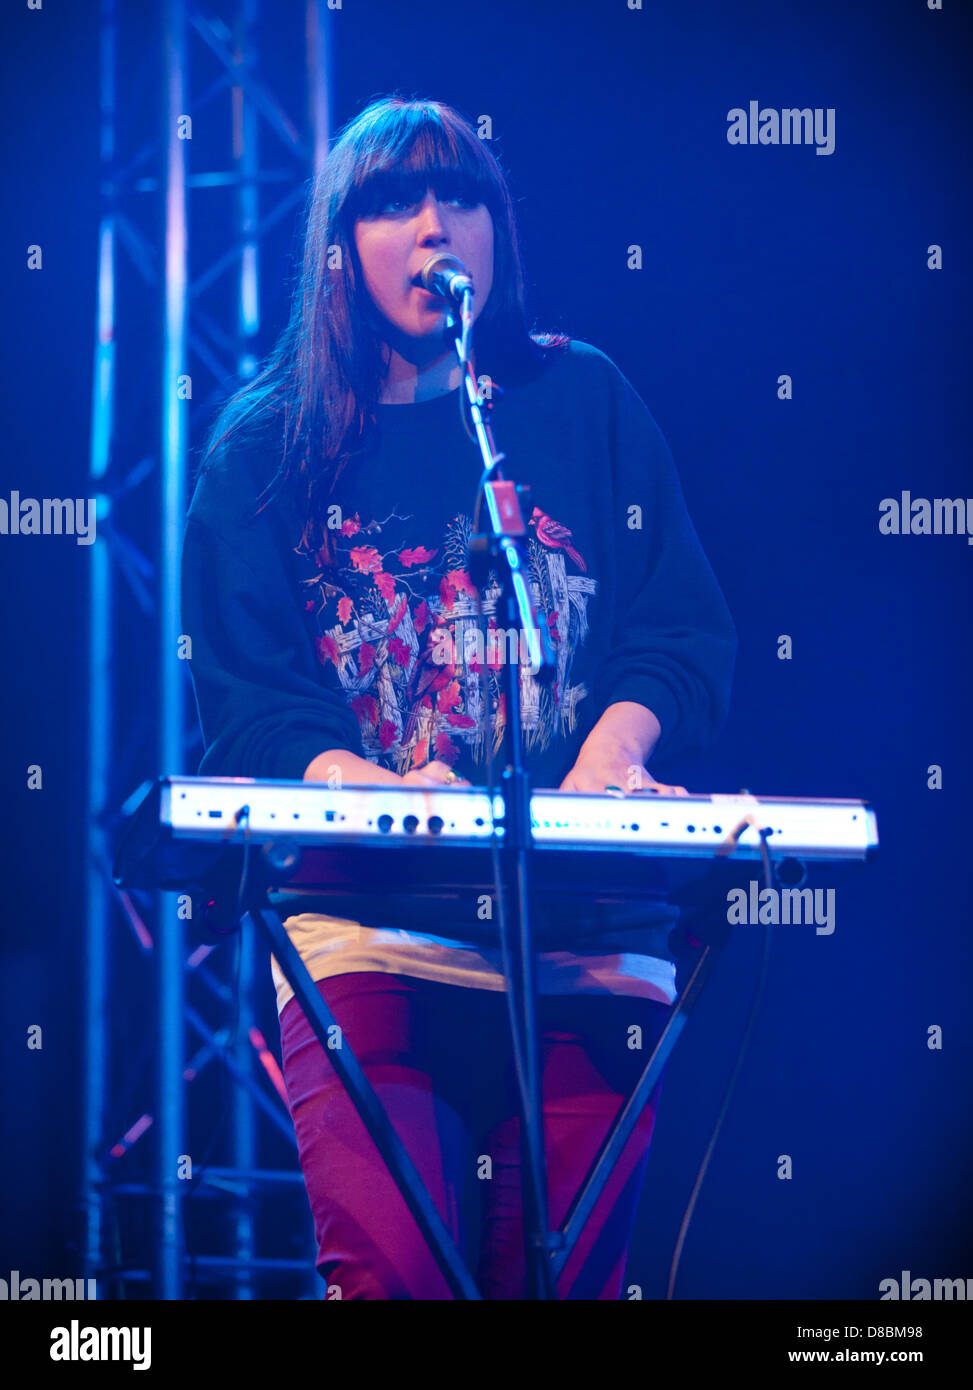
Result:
{"points": [[359, 838]]}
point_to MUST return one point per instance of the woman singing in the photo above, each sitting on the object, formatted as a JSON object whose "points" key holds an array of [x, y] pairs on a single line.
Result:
{"points": [[327, 593]]}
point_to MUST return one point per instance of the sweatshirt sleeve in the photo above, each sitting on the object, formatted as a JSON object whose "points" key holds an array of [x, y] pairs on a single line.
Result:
{"points": [[673, 642], [263, 708]]}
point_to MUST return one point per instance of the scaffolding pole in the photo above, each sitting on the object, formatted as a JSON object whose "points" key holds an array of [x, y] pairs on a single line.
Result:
{"points": [[170, 936], [98, 898], [154, 580]]}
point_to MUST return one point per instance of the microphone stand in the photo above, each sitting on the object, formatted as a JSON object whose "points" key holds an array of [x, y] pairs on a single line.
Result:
{"points": [[506, 546]]}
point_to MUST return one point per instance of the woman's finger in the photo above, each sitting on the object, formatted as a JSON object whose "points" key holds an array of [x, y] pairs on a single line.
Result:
{"points": [[436, 774]]}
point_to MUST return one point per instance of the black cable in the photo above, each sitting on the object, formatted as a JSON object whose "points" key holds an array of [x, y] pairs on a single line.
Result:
{"points": [[228, 1043], [518, 1044], [728, 1094], [463, 412], [517, 1024], [518, 1027]]}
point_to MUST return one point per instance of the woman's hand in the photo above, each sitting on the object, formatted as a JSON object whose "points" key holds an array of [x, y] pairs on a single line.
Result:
{"points": [[433, 774], [340, 767], [615, 752], [598, 770], [605, 760]]}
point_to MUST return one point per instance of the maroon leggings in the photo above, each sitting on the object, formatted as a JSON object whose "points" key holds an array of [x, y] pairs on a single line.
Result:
{"points": [[439, 1059]]}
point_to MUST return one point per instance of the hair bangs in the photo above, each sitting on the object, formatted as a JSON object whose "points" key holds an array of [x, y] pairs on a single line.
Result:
{"points": [[326, 371], [402, 151]]}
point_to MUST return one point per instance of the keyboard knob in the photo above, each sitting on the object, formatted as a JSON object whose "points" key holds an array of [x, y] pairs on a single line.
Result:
{"points": [[385, 824]]}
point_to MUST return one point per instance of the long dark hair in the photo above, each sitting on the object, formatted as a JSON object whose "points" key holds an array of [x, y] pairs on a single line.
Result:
{"points": [[325, 372]]}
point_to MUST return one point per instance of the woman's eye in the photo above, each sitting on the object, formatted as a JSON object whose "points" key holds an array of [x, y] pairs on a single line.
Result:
{"points": [[402, 204]]}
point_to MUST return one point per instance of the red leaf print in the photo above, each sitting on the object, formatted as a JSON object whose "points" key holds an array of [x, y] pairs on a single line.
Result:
{"points": [[461, 582], [397, 615], [420, 754], [446, 750], [385, 585], [421, 616], [444, 677], [309, 605], [446, 594], [418, 556], [460, 721], [386, 734], [344, 609], [448, 698], [399, 651], [365, 559], [366, 658], [351, 528], [366, 707], [327, 649]]}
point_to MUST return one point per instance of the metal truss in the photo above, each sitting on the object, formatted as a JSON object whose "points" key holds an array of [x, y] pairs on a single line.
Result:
{"points": [[180, 330]]}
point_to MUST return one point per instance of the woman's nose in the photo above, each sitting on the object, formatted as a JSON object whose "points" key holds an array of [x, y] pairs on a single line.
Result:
{"points": [[432, 224]]}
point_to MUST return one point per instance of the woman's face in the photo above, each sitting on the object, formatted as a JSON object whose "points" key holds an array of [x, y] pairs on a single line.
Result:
{"points": [[394, 244]]}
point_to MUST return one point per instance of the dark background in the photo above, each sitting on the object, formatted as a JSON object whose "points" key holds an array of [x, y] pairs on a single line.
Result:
{"points": [[758, 261]]}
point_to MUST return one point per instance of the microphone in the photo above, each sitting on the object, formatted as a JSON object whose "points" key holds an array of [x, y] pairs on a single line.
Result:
{"points": [[446, 276]]}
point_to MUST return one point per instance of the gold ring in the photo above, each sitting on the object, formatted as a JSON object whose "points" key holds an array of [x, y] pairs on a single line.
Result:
{"points": [[451, 777]]}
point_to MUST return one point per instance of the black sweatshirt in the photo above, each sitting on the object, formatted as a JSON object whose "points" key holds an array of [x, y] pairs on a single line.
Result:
{"points": [[289, 659]]}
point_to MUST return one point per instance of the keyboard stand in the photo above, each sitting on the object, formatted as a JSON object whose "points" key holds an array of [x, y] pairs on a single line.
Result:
{"points": [[266, 921], [710, 933]]}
